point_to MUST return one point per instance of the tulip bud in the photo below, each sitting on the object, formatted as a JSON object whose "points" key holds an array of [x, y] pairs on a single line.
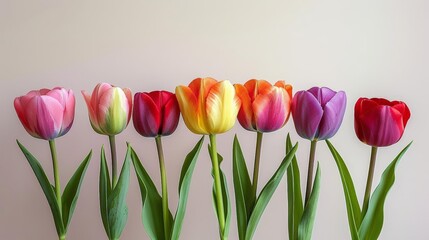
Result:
{"points": [[45, 113], [109, 108], [264, 107], [318, 112], [155, 113], [379, 122], [208, 106]]}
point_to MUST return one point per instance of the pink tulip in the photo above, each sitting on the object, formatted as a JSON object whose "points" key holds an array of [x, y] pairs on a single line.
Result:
{"points": [[46, 114], [109, 108], [155, 113]]}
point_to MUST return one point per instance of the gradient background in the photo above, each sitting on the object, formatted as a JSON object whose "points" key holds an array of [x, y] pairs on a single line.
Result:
{"points": [[367, 48]]}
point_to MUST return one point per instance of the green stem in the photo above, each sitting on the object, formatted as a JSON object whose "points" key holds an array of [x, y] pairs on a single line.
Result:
{"points": [[56, 172], [114, 160], [369, 181], [218, 187], [165, 210], [256, 164], [62, 237], [310, 170]]}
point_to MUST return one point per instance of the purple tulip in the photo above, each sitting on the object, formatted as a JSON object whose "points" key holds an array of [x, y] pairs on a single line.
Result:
{"points": [[318, 112]]}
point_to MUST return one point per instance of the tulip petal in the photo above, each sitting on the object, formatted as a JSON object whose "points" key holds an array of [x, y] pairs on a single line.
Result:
{"points": [[20, 110], [323, 94], [333, 114], [191, 113], [256, 87], [404, 110], [67, 100], [128, 106], [201, 87], [306, 113], [222, 106], [171, 115], [245, 114], [271, 110], [146, 116], [44, 114], [92, 113], [287, 87]]}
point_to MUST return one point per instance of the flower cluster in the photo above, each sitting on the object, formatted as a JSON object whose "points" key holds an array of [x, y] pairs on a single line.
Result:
{"points": [[210, 107]]}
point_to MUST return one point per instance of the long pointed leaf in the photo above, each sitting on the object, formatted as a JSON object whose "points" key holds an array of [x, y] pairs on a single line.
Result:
{"points": [[295, 205], [305, 227], [372, 222], [104, 190], [117, 205], [242, 188], [184, 185], [353, 209], [227, 205], [152, 215], [47, 189], [72, 189], [267, 192]]}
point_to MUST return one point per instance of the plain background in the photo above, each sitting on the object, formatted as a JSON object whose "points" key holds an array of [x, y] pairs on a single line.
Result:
{"points": [[366, 48]]}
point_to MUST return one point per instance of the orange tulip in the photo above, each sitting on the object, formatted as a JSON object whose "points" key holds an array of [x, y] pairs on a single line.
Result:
{"points": [[264, 107]]}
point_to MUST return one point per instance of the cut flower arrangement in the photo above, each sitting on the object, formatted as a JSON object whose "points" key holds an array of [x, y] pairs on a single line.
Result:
{"points": [[211, 107]]}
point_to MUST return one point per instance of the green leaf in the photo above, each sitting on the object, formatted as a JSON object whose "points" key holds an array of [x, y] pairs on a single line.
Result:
{"points": [[267, 192], [295, 205], [152, 215], [71, 191], [353, 209], [372, 222], [244, 198], [184, 185], [227, 205], [305, 227], [117, 205], [105, 189], [47, 189]]}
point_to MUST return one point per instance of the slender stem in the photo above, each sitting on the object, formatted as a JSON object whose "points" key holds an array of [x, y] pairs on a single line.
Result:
{"points": [[165, 210], [218, 187], [310, 170], [256, 164], [56, 172], [369, 180], [114, 160]]}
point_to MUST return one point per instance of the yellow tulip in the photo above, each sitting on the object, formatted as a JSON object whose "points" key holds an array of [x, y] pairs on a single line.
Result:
{"points": [[208, 106]]}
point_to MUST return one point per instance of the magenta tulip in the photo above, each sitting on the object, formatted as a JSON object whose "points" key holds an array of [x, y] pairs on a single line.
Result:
{"points": [[318, 112], [45, 113], [379, 122], [109, 108], [155, 113]]}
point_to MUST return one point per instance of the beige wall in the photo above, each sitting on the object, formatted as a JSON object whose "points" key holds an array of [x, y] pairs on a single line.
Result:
{"points": [[367, 48]]}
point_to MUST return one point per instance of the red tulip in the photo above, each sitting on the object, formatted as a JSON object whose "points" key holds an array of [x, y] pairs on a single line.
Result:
{"points": [[155, 113], [379, 122], [45, 113], [264, 107]]}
